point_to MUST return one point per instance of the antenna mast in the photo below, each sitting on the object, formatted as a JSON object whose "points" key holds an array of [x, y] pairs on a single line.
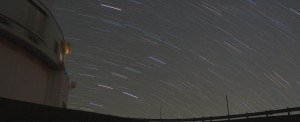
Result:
{"points": [[160, 110], [227, 107]]}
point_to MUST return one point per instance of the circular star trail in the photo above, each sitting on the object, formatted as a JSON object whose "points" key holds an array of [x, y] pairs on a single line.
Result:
{"points": [[132, 57]]}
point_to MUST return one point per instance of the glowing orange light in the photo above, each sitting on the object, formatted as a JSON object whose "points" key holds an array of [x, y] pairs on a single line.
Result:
{"points": [[66, 47]]}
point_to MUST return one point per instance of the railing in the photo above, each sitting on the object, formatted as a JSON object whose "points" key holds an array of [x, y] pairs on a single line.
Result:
{"points": [[30, 23], [13, 110], [268, 113]]}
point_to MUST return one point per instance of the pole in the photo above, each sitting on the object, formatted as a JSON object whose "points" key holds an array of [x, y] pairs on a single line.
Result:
{"points": [[160, 110], [227, 107]]}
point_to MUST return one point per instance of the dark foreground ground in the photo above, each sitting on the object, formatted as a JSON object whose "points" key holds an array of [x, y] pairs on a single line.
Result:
{"points": [[11, 110]]}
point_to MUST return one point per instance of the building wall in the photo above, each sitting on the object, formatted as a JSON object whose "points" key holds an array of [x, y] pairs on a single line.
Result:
{"points": [[22, 76], [31, 67]]}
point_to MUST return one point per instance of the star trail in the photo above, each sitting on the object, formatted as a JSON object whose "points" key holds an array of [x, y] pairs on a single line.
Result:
{"points": [[132, 56]]}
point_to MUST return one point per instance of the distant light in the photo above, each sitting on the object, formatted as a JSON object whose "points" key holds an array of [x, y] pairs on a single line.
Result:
{"points": [[130, 95], [71, 38], [87, 16], [111, 7], [105, 86], [93, 68], [133, 70], [119, 75], [96, 104], [86, 75], [157, 60]]}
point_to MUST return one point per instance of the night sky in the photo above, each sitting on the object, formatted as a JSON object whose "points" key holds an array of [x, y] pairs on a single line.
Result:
{"points": [[131, 57]]}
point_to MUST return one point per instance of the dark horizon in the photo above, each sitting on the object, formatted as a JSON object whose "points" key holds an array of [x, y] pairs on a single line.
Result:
{"points": [[19, 110]]}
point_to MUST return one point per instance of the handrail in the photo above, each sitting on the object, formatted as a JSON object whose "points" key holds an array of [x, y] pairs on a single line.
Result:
{"points": [[246, 115]]}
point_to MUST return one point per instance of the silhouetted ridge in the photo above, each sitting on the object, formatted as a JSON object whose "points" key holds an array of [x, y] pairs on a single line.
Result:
{"points": [[11, 110]]}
